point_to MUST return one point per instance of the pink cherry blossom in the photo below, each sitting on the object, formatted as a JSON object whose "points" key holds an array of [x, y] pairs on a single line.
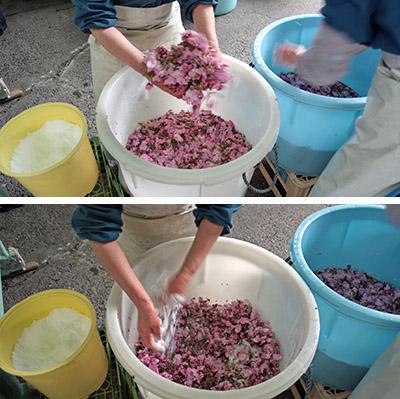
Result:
{"points": [[188, 140], [362, 288], [338, 89], [189, 68], [211, 353]]}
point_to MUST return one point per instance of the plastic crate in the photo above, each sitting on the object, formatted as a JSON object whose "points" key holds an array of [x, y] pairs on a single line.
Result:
{"points": [[288, 184], [108, 184], [118, 384], [318, 391]]}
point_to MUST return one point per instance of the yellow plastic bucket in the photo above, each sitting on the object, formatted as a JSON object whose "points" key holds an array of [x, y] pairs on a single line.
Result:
{"points": [[74, 176], [82, 373]]}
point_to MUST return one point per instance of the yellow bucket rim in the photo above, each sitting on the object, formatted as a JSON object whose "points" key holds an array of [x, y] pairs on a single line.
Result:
{"points": [[15, 308], [8, 172]]}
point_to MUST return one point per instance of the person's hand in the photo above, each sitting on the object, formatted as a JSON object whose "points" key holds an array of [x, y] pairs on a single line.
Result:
{"points": [[216, 50], [179, 283], [167, 89], [148, 325], [288, 55], [143, 70]]}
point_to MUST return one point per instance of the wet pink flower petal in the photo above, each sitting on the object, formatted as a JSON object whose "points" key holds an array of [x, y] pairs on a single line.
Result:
{"points": [[338, 89], [189, 68], [220, 358], [188, 140], [362, 288]]}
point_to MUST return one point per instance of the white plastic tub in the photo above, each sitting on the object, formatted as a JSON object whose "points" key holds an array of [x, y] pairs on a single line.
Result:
{"points": [[233, 270], [248, 101]]}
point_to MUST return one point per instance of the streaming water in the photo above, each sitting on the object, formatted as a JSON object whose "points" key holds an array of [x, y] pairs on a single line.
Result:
{"points": [[167, 307]]}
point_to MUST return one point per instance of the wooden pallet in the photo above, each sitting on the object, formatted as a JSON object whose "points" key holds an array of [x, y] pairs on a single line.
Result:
{"points": [[288, 184], [318, 392]]}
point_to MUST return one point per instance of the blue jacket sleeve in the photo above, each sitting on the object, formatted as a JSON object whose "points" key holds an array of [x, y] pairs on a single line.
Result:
{"points": [[101, 223], [374, 23], [352, 17], [94, 14], [189, 5], [218, 214]]}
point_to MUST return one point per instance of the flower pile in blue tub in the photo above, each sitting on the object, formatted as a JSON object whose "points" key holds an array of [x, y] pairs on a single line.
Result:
{"points": [[362, 288], [337, 89]]}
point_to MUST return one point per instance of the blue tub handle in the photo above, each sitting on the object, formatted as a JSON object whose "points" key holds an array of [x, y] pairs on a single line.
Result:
{"points": [[269, 189]]}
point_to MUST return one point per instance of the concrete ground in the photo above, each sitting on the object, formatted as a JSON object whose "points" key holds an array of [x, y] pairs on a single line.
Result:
{"points": [[42, 233], [43, 53]]}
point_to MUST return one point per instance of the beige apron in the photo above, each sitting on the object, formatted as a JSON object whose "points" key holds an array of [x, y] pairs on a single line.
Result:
{"points": [[369, 164], [382, 380], [145, 226], [145, 28]]}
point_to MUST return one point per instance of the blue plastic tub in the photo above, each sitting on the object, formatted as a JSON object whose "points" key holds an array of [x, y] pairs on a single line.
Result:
{"points": [[225, 6], [313, 127], [352, 336]]}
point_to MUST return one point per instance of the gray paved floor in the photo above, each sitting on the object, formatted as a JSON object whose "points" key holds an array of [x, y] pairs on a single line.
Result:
{"points": [[43, 52], [42, 233]]}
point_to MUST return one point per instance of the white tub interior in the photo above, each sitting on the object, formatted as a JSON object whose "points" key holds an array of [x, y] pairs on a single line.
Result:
{"points": [[248, 100], [243, 101]]}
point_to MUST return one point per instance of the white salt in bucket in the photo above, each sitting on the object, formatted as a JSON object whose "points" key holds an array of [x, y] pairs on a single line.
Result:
{"points": [[248, 101], [234, 269]]}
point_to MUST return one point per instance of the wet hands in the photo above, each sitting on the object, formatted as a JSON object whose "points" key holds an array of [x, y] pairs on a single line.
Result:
{"points": [[288, 54], [187, 70], [162, 86], [215, 50], [150, 327], [180, 91], [148, 324]]}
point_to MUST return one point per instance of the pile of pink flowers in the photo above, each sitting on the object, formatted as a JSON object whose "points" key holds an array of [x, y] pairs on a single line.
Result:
{"points": [[188, 140], [217, 347], [188, 69], [362, 288], [338, 89]]}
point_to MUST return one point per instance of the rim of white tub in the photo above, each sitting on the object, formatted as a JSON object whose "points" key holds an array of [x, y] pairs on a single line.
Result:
{"points": [[294, 92], [126, 357], [167, 175], [337, 301]]}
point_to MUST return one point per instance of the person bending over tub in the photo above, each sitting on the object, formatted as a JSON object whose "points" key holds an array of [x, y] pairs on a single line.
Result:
{"points": [[382, 380], [369, 164], [143, 227], [122, 29]]}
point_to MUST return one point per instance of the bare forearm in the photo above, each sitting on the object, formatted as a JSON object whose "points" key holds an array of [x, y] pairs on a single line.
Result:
{"points": [[204, 21], [207, 235], [119, 46], [114, 261]]}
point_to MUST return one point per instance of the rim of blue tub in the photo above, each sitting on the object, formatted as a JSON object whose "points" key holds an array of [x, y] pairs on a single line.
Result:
{"points": [[294, 92], [340, 303]]}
